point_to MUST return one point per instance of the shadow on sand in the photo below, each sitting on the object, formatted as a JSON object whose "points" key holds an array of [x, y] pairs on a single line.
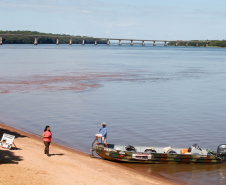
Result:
{"points": [[55, 154], [7, 157]]}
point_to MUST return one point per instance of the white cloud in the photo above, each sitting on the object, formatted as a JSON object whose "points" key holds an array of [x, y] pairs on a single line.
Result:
{"points": [[124, 24], [86, 11], [45, 6]]}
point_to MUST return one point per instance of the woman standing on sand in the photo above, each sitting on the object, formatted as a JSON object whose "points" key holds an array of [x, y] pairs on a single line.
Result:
{"points": [[47, 135]]}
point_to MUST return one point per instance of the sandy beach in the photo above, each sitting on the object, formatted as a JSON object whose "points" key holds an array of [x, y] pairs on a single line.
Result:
{"points": [[27, 164]]}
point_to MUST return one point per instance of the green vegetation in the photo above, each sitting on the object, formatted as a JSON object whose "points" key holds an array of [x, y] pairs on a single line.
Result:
{"points": [[211, 43], [44, 40], [218, 43]]}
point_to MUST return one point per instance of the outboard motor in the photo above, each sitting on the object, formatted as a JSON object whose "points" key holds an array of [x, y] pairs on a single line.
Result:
{"points": [[221, 150]]}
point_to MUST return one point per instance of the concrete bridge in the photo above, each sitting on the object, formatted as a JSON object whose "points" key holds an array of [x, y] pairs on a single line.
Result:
{"points": [[36, 37]]}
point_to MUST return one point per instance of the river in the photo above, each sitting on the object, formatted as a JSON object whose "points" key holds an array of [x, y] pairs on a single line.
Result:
{"points": [[158, 96]]}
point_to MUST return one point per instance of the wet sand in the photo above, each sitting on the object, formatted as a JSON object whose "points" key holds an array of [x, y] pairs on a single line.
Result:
{"points": [[27, 164]]}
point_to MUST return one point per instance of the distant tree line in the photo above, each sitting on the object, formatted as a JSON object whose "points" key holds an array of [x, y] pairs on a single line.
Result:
{"points": [[211, 43], [44, 40]]}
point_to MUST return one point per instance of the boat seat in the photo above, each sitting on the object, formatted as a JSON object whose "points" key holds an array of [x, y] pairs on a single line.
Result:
{"points": [[166, 149], [150, 150], [130, 148], [169, 150]]}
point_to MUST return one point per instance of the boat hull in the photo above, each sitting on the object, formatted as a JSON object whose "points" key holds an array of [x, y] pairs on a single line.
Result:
{"points": [[140, 157]]}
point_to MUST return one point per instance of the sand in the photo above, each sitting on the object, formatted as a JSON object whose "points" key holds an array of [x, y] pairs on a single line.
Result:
{"points": [[27, 164]]}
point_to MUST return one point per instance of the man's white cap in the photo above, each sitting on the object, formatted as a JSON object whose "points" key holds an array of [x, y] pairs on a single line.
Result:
{"points": [[104, 124]]}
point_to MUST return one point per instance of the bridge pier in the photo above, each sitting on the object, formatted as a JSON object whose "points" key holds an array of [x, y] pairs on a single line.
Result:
{"points": [[186, 44], [95, 43], [176, 44], [36, 41], [120, 42], [142, 42], [197, 44], [57, 41], [131, 43], [108, 42], [207, 44], [83, 41], [165, 43], [0, 40], [70, 42], [154, 44]]}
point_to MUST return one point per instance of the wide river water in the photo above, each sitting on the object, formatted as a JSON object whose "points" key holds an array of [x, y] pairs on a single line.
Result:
{"points": [[149, 96]]}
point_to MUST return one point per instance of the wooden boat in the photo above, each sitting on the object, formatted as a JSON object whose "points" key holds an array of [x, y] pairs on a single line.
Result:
{"points": [[142, 154]]}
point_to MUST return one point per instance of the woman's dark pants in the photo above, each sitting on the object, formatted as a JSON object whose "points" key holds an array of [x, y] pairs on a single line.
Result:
{"points": [[47, 147]]}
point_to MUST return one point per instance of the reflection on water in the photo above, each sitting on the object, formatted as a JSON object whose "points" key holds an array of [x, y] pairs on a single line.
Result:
{"points": [[186, 173], [149, 96]]}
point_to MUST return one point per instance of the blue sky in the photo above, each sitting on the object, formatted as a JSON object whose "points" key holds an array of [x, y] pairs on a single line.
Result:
{"points": [[144, 19]]}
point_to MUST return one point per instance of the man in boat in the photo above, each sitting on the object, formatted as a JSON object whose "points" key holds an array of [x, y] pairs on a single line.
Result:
{"points": [[102, 133]]}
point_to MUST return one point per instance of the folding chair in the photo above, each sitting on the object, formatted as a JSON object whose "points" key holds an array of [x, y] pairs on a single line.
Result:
{"points": [[7, 141]]}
